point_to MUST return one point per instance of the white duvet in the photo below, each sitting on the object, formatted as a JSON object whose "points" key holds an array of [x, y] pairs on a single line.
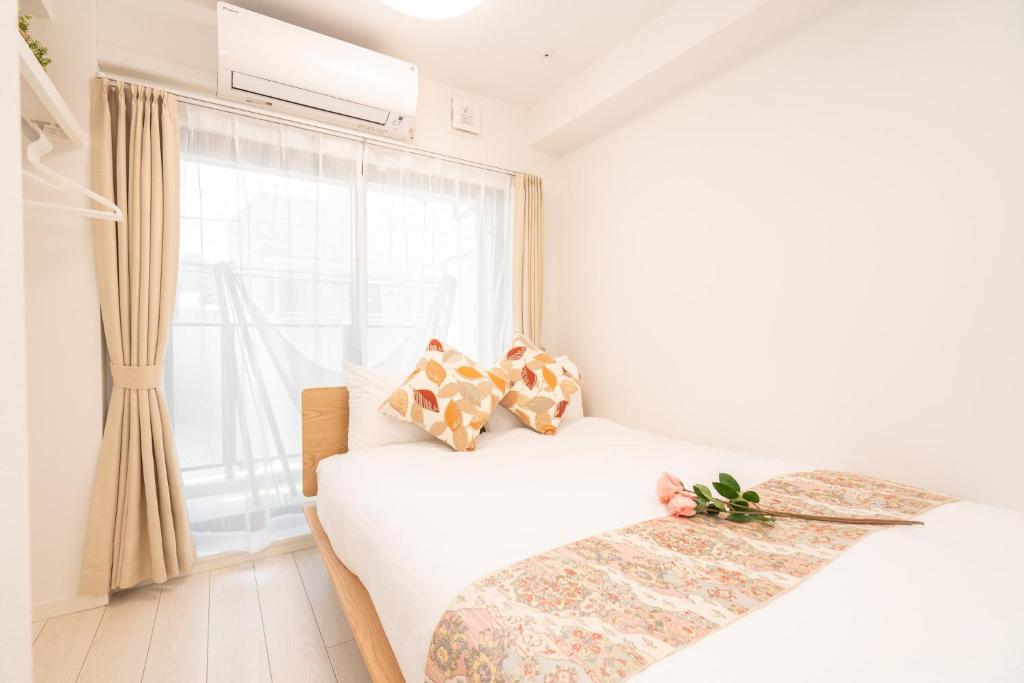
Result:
{"points": [[418, 523]]}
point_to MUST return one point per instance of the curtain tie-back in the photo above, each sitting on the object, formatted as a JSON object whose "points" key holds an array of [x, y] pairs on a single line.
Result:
{"points": [[137, 376]]}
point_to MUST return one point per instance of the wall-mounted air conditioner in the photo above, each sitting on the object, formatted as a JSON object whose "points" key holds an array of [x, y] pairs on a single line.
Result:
{"points": [[268, 63]]}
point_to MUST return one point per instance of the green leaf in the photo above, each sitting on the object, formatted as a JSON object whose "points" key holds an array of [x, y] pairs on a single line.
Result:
{"points": [[752, 496], [739, 517], [718, 505], [726, 490], [728, 480], [702, 490], [739, 503]]}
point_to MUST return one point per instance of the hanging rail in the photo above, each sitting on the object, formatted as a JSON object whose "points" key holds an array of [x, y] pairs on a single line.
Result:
{"points": [[38, 147], [288, 120]]}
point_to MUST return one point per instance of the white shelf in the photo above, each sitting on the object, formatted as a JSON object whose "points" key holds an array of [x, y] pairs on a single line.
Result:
{"points": [[41, 101]]}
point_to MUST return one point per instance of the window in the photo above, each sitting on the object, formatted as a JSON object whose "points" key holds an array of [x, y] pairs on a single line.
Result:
{"points": [[301, 250]]}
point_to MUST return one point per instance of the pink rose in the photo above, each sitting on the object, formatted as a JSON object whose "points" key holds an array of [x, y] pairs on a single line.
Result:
{"points": [[668, 486], [682, 505]]}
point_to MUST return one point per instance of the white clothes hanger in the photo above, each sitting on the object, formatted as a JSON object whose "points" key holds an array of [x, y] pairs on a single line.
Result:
{"points": [[38, 147]]}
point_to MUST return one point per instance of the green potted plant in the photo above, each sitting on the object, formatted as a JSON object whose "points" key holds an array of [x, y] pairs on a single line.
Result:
{"points": [[38, 49]]}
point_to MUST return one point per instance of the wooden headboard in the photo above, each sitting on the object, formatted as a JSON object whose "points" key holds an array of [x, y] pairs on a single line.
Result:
{"points": [[324, 430]]}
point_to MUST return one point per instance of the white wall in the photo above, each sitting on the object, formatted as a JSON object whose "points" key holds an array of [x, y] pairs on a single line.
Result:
{"points": [[819, 254], [65, 381], [175, 42], [16, 663], [65, 371]]}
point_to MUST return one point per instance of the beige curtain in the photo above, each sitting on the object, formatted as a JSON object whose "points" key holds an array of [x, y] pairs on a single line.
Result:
{"points": [[528, 255], [138, 525]]}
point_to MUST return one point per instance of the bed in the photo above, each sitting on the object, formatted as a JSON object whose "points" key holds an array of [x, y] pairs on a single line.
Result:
{"points": [[403, 529]]}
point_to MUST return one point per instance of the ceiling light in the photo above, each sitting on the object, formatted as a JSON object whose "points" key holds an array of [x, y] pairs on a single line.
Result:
{"points": [[432, 9]]}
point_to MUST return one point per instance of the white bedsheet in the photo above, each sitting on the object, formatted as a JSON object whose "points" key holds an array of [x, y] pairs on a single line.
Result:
{"points": [[418, 523]]}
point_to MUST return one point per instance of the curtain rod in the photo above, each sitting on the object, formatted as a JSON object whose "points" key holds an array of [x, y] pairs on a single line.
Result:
{"points": [[209, 102]]}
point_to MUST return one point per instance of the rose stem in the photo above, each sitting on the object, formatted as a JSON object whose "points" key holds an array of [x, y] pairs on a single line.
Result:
{"points": [[882, 521], [821, 518], [827, 518]]}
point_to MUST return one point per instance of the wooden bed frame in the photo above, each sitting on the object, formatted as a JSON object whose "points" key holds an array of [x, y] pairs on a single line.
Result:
{"points": [[325, 433]]}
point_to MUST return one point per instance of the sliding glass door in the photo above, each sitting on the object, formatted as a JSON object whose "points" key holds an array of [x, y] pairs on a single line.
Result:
{"points": [[301, 250], [438, 258]]}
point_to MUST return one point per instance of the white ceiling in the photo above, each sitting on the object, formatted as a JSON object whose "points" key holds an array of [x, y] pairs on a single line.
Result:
{"points": [[495, 49]]}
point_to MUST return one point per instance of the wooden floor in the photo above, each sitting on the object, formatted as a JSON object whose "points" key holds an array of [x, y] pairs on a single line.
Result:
{"points": [[275, 619]]}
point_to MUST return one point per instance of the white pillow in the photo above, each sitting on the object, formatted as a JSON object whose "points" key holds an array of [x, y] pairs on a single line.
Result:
{"points": [[367, 427], [503, 419], [575, 409]]}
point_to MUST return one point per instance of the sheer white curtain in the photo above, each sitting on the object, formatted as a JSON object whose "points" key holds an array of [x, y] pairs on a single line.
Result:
{"points": [[439, 245], [300, 250]]}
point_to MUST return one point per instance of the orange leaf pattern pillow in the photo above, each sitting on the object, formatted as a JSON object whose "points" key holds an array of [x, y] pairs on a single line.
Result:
{"points": [[449, 395], [540, 387]]}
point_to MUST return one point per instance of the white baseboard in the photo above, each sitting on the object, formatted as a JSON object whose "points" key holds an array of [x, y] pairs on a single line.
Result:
{"points": [[212, 562], [56, 608]]}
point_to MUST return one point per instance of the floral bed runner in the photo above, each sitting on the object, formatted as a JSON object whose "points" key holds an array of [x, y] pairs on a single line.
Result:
{"points": [[605, 607]]}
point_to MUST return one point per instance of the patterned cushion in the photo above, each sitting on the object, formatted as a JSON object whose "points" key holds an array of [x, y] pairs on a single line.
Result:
{"points": [[541, 387], [449, 395]]}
